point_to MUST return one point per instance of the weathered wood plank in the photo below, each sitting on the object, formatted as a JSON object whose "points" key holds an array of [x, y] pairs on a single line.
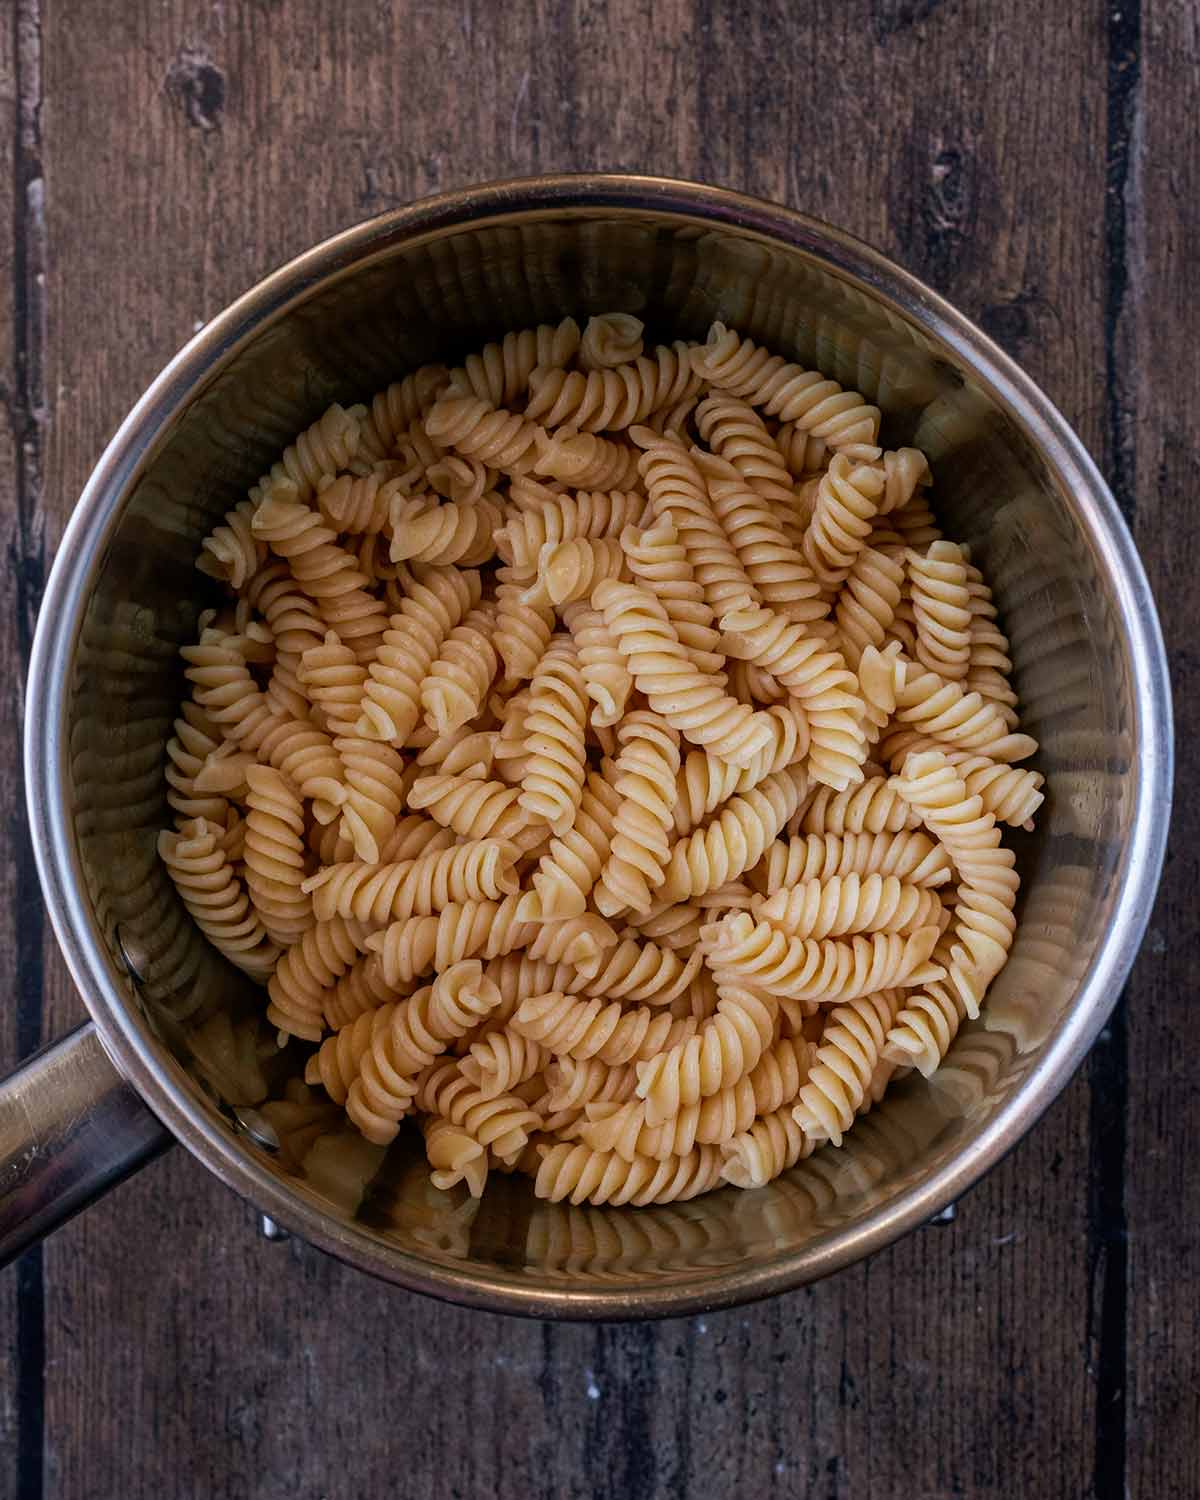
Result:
{"points": [[966, 142], [22, 550], [1154, 441]]}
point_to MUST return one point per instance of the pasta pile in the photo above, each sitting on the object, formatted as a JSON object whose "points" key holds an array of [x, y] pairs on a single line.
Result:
{"points": [[601, 759]]}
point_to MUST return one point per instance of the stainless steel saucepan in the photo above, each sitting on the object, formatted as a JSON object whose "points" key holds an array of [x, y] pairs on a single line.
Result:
{"points": [[176, 1046]]}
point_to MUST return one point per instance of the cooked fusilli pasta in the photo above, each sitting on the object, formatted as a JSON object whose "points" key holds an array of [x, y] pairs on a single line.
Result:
{"points": [[323, 568], [845, 1063], [458, 680], [815, 673], [214, 897], [567, 872], [606, 678], [425, 532], [478, 871], [571, 1026], [407, 1037], [601, 757], [588, 515], [736, 839], [523, 631], [828, 970], [618, 396], [499, 373], [942, 606], [396, 408], [645, 784], [679, 497], [438, 599], [848, 499], [581, 1175], [609, 339], [484, 929], [274, 855], [911, 856], [659, 563], [725, 1048], [782, 577], [848, 904], [552, 782], [816, 405], [691, 701], [571, 570]]}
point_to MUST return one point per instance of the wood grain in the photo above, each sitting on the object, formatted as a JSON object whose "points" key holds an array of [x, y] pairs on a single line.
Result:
{"points": [[1154, 442], [22, 345], [978, 144]]}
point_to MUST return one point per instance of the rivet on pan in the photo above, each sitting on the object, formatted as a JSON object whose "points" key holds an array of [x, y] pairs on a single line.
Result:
{"points": [[947, 1216], [269, 1230], [260, 1130], [131, 967]]}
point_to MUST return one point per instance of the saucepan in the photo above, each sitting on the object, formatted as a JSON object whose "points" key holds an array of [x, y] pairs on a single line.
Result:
{"points": [[177, 1047]]}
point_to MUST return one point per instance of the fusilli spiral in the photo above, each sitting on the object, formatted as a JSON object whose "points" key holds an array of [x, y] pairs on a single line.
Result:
{"points": [[323, 568], [402, 403], [231, 551], [606, 679], [522, 632], [659, 563], [816, 405], [736, 839], [484, 929], [774, 1081], [572, 1026], [325, 448], [867, 603], [552, 783], [910, 856], [426, 532], [848, 499], [941, 604], [960, 720], [215, 900], [499, 373], [689, 700], [581, 1175], [405, 1040], [645, 784], [437, 602], [503, 1060], [983, 916], [609, 339], [616, 397], [501, 1122], [588, 515], [477, 871], [726, 1048], [841, 1074], [569, 869], [571, 570], [679, 496], [816, 674], [828, 970], [874, 806], [298, 989], [848, 904], [771, 1145], [782, 577], [274, 855], [458, 680]]}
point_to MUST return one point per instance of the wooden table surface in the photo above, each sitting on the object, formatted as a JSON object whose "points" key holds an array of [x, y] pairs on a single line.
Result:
{"points": [[1036, 163]]}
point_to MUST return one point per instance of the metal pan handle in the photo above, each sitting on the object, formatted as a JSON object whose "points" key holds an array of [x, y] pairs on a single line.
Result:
{"points": [[70, 1128]]}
